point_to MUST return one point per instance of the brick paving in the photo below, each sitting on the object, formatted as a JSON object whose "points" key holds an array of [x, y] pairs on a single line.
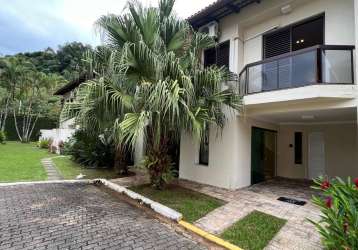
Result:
{"points": [[52, 172], [297, 233], [79, 216]]}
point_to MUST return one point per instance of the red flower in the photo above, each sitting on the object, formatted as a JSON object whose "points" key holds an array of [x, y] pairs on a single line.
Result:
{"points": [[325, 185], [329, 202], [356, 182]]}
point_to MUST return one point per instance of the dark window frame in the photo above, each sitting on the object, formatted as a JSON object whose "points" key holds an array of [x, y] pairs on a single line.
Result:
{"points": [[290, 27], [298, 148], [217, 59], [204, 148]]}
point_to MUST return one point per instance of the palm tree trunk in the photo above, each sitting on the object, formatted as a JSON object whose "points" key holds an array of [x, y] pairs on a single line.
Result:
{"points": [[120, 164], [159, 164]]}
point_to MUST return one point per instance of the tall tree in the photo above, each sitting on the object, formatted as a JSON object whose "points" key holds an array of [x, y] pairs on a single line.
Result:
{"points": [[11, 71], [159, 58], [103, 101], [70, 58]]}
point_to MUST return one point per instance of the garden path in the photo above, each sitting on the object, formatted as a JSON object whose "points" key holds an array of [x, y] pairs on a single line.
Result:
{"points": [[297, 233], [52, 172]]}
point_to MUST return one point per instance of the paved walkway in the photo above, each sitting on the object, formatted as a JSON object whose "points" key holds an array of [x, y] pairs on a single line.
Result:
{"points": [[52, 172], [79, 216], [297, 233]]}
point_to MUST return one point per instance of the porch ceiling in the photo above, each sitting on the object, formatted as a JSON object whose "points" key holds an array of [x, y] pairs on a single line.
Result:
{"points": [[340, 115]]}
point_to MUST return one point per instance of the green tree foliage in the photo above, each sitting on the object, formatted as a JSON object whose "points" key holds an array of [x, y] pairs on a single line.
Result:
{"points": [[70, 59], [66, 61], [26, 94], [45, 61]]}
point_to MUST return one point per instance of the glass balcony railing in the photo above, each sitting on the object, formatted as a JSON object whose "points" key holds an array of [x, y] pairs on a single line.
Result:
{"points": [[321, 64]]}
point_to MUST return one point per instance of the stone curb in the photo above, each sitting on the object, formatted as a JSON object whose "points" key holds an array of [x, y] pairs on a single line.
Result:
{"points": [[208, 236], [45, 182], [157, 207]]}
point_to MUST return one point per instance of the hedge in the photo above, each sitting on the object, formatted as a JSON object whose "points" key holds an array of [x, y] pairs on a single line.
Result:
{"points": [[42, 123]]}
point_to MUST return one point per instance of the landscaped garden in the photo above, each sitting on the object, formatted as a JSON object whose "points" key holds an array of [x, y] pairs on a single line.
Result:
{"points": [[22, 162], [70, 169]]}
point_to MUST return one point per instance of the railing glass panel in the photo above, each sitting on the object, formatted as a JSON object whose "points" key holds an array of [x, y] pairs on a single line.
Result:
{"points": [[337, 66], [330, 64]]}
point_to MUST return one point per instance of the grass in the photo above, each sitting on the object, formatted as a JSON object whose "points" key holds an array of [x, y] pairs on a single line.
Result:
{"points": [[70, 169], [21, 162], [254, 231], [191, 204]]}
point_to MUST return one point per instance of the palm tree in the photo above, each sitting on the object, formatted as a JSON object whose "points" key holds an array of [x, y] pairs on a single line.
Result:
{"points": [[103, 101], [166, 89], [11, 71]]}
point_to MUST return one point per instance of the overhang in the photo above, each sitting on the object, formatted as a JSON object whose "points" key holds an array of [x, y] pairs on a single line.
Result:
{"points": [[218, 10], [71, 85]]}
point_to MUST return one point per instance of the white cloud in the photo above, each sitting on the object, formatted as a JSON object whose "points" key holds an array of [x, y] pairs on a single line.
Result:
{"points": [[43, 23]]}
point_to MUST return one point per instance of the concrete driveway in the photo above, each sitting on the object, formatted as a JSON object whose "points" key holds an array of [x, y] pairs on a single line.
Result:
{"points": [[79, 216]]}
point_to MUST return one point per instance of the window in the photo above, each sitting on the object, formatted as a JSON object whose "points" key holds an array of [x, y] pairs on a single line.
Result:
{"points": [[298, 147], [294, 37], [218, 55], [204, 149]]}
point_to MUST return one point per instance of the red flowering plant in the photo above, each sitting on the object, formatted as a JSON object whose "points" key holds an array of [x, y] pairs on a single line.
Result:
{"points": [[338, 203]]}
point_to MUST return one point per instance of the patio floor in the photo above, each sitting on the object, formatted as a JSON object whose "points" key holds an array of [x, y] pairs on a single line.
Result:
{"points": [[297, 233]]}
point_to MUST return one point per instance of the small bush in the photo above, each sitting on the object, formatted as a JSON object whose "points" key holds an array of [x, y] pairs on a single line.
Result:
{"points": [[44, 143], [339, 206], [90, 150], [2, 137]]}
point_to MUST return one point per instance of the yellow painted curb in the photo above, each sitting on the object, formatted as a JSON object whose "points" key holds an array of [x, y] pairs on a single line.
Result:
{"points": [[208, 236]]}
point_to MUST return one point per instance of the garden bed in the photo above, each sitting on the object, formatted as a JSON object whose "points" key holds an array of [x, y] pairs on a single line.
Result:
{"points": [[70, 169], [193, 205]]}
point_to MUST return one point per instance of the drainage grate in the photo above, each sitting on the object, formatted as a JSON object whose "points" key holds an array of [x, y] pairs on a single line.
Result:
{"points": [[292, 201]]}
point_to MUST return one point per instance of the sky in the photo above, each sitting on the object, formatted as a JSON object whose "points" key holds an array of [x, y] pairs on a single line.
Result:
{"points": [[33, 25]]}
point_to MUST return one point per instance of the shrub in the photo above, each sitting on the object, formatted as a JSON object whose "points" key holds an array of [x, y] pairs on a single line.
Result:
{"points": [[89, 150], [339, 206], [43, 143], [2, 137]]}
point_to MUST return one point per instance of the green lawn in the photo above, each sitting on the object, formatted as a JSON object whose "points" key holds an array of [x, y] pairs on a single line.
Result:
{"points": [[21, 162], [191, 204], [254, 231], [70, 169]]}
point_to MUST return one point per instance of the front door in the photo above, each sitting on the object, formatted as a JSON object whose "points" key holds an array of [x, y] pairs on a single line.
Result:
{"points": [[316, 155], [263, 155]]}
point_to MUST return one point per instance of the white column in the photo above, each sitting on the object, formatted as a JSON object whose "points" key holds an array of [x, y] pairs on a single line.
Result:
{"points": [[356, 64], [356, 35]]}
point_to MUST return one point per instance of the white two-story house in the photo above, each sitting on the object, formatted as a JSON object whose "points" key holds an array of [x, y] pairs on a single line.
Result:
{"points": [[297, 74]]}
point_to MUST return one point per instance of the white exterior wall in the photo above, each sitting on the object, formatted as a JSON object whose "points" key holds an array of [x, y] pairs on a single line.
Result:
{"points": [[340, 150], [230, 153]]}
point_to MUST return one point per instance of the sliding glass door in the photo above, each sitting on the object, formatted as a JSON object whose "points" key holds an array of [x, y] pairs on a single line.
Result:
{"points": [[263, 154]]}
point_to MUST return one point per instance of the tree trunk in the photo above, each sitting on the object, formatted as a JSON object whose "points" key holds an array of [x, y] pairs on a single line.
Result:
{"points": [[159, 164], [120, 164], [4, 115]]}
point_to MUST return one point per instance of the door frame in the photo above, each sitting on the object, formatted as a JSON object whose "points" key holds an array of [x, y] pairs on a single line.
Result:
{"points": [[309, 152], [276, 149]]}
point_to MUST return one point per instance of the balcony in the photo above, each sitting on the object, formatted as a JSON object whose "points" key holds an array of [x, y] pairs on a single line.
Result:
{"points": [[321, 64]]}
